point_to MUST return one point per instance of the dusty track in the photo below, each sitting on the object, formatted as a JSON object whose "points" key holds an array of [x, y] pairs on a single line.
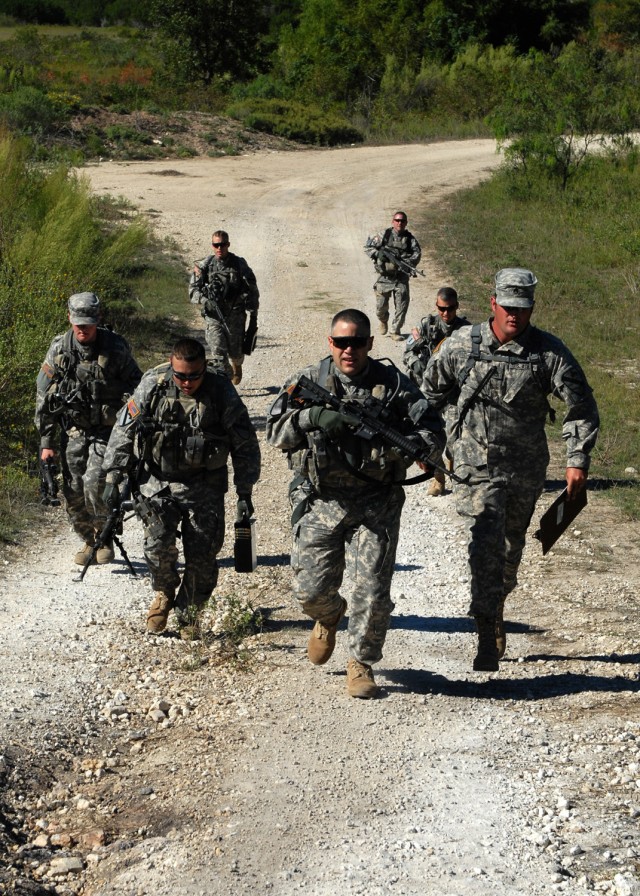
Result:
{"points": [[268, 778]]}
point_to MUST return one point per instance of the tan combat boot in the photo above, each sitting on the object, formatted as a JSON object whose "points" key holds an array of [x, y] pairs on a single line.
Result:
{"points": [[105, 553], [159, 612], [486, 659], [501, 635], [436, 486], [383, 327], [83, 554], [236, 376], [397, 337], [360, 680], [323, 638]]}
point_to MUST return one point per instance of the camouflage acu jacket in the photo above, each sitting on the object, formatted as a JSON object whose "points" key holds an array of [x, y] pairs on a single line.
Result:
{"points": [[329, 466], [84, 386], [184, 437], [241, 287], [501, 400], [431, 331]]}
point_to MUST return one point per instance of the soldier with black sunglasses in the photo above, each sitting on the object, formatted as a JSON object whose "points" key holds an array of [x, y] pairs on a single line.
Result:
{"points": [[393, 279], [183, 422], [349, 491], [225, 287]]}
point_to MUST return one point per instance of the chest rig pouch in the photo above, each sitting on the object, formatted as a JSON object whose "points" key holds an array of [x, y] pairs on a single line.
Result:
{"points": [[327, 464], [78, 391], [531, 364], [188, 435]]}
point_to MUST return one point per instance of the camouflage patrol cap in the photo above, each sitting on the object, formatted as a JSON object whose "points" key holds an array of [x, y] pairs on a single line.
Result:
{"points": [[515, 287], [84, 309]]}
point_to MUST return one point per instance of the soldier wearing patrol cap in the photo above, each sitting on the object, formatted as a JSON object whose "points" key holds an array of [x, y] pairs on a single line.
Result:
{"points": [[499, 375], [81, 385]]}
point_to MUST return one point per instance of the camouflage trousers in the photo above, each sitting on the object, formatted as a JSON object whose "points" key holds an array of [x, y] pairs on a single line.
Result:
{"points": [[83, 481], [497, 513], [223, 345], [319, 559], [198, 510], [399, 290]]}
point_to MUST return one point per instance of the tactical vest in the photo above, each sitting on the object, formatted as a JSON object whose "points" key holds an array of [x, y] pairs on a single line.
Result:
{"points": [[81, 391], [328, 465], [401, 241], [230, 273], [186, 433], [533, 360]]}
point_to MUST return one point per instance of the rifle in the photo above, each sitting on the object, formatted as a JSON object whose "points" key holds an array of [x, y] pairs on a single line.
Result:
{"points": [[214, 292], [49, 483], [368, 413], [393, 257], [110, 532]]}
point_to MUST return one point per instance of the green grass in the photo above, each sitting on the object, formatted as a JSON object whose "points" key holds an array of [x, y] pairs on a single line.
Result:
{"points": [[51, 226], [583, 246]]}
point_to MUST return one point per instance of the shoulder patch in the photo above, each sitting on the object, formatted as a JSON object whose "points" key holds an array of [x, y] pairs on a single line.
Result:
{"points": [[132, 409], [47, 370]]}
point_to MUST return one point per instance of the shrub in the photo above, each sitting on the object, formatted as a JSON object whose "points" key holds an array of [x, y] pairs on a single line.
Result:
{"points": [[296, 121], [27, 110]]}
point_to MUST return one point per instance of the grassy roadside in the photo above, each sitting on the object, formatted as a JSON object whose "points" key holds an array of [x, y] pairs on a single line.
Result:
{"points": [[583, 247], [148, 306]]}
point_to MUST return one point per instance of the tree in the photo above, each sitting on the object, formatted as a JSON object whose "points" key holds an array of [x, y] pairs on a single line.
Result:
{"points": [[209, 38], [555, 110], [524, 24]]}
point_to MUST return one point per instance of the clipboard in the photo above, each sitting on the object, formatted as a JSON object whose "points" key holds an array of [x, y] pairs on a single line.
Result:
{"points": [[559, 517]]}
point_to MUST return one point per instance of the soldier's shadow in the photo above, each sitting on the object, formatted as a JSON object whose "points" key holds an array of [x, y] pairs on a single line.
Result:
{"points": [[263, 560], [450, 624], [544, 687]]}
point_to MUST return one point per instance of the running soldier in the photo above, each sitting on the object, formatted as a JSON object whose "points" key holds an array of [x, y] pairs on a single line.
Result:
{"points": [[393, 280], [347, 490], [424, 340], [500, 374], [182, 422], [225, 286], [86, 376]]}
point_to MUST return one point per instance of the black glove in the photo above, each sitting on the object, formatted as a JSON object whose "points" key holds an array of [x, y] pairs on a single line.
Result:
{"points": [[111, 495], [335, 424], [244, 507]]}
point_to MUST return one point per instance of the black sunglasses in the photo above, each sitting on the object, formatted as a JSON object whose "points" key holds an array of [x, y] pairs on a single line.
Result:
{"points": [[188, 377], [400, 220], [217, 245], [349, 341], [444, 308]]}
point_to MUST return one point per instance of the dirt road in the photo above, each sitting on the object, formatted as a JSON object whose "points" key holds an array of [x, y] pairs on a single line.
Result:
{"points": [[145, 766]]}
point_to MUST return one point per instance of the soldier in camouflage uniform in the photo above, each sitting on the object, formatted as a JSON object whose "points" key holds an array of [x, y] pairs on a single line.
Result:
{"points": [[182, 422], [392, 281], [86, 376], [225, 286], [500, 374], [419, 347], [348, 491]]}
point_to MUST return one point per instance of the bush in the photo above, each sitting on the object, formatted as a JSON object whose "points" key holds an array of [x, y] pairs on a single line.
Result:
{"points": [[27, 110], [53, 242], [296, 121]]}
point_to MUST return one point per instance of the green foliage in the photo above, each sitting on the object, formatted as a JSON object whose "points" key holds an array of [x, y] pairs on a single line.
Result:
{"points": [[616, 24], [209, 38], [27, 110], [554, 111], [305, 123], [582, 243], [52, 243], [525, 24]]}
